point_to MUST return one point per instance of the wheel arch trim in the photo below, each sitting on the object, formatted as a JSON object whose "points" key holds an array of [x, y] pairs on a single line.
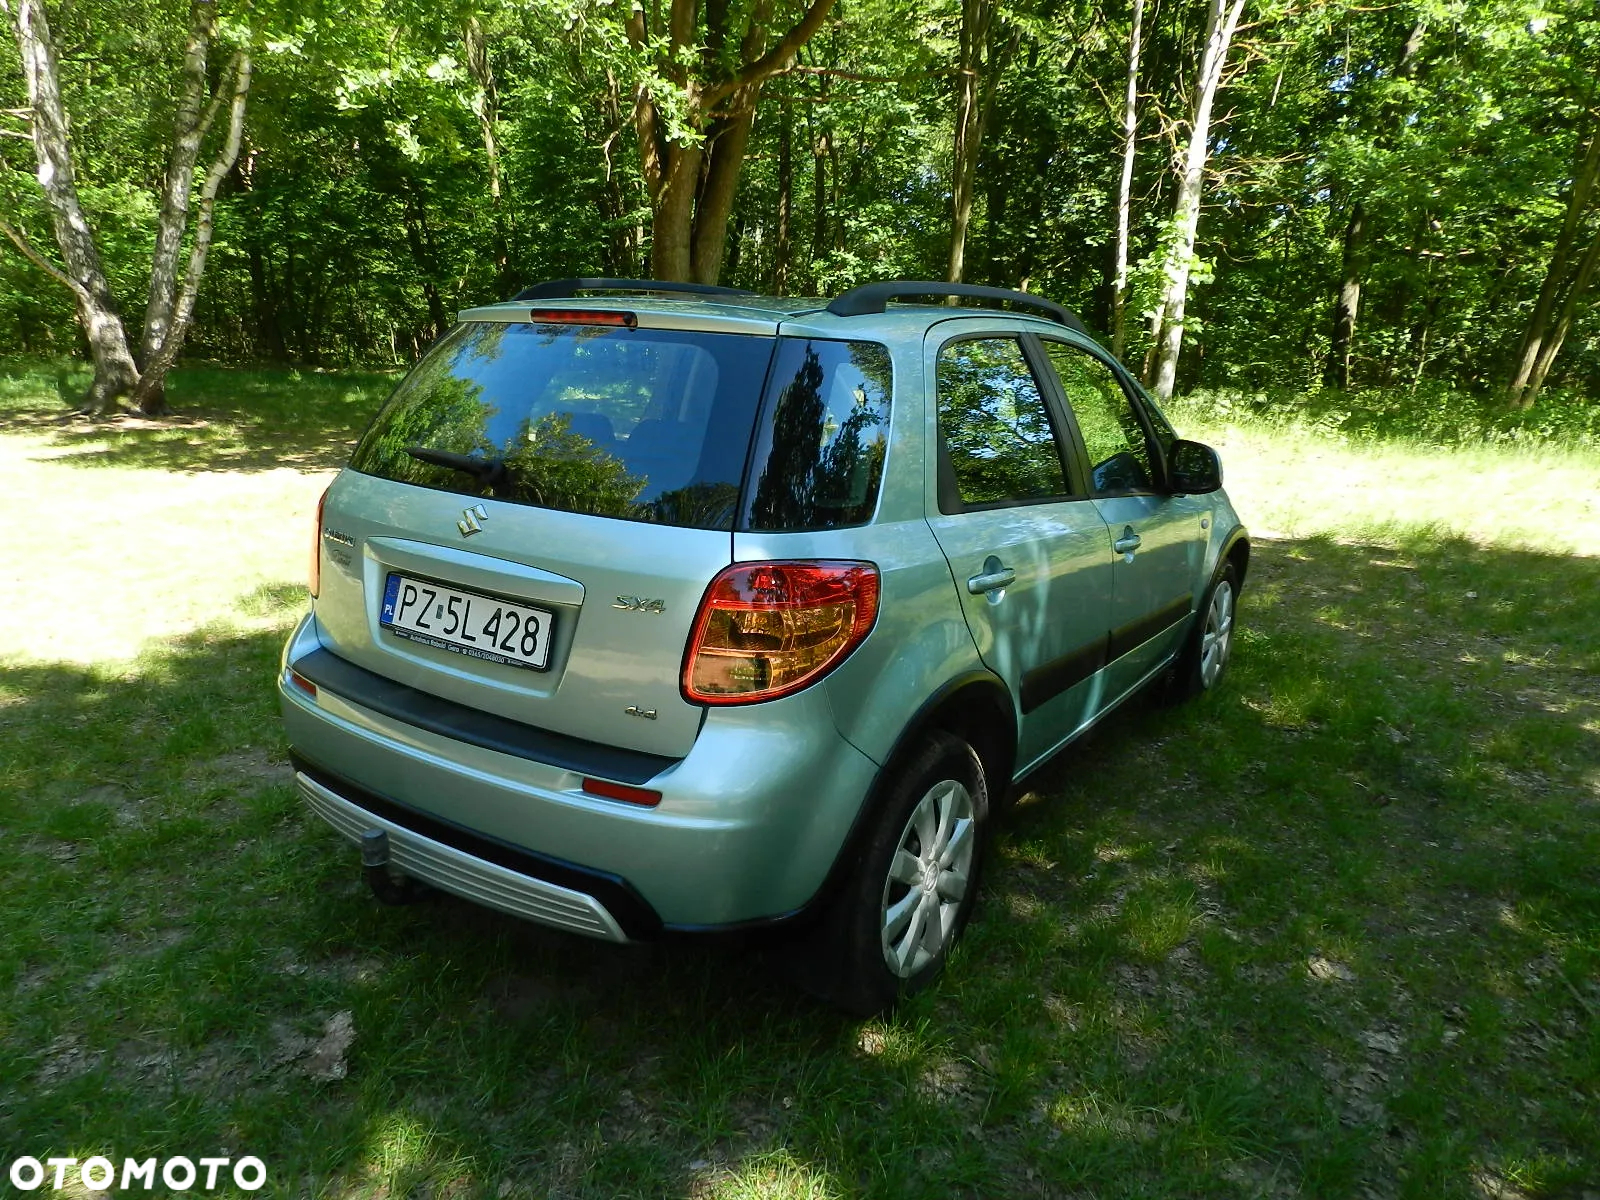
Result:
{"points": [[976, 684]]}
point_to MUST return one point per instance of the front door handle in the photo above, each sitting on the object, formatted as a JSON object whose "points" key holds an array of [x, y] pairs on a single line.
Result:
{"points": [[1128, 542], [993, 579]]}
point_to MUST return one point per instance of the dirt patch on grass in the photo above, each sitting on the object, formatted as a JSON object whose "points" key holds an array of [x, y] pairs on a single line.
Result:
{"points": [[246, 771]]}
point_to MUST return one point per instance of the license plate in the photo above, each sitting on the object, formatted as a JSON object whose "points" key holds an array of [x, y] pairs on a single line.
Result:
{"points": [[469, 623]]}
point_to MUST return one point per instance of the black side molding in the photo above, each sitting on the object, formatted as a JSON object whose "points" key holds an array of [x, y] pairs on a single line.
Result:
{"points": [[1136, 633], [632, 911], [474, 726], [1048, 680]]}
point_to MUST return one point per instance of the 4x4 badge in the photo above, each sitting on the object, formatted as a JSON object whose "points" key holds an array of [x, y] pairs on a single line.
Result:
{"points": [[472, 520]]}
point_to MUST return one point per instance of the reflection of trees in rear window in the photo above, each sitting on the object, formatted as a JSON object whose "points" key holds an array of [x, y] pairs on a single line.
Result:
{"points": [[819, 459], [646, 425], [995, 427], [553, 467]]}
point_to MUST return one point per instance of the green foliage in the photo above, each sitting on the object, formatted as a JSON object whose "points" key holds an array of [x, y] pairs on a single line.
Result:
{"points": [[1433, 414], [359, 219]]}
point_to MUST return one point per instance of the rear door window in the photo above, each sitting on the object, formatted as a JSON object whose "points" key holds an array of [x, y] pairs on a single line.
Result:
{"points": [[643, 424], [997, 444]]}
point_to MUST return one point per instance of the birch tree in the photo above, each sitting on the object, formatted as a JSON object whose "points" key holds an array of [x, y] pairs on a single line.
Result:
{"points": [[169, 307], [1130, 145], [1222, 19]]}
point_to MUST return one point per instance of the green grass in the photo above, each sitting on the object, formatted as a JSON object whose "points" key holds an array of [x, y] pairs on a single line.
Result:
{"points": [[1334, 931]]}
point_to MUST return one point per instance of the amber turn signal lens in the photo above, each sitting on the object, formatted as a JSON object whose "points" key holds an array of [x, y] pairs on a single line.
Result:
{"points": [[314, 583], [768, 629]]}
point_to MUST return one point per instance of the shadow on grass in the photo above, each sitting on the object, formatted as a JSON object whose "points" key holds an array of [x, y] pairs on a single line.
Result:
{"points": [[1397, 783], [223, 419]]}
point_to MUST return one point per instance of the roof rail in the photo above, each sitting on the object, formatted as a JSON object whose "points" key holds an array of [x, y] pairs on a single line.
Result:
{"points": [[873, 297], [560, 289]]}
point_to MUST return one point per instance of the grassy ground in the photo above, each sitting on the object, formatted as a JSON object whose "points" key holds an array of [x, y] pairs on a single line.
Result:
{"points": [[1334, 931]]}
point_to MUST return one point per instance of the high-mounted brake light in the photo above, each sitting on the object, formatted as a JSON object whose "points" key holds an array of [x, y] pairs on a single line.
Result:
{"points": [[768, 629], [583, 316], [314, 582]]}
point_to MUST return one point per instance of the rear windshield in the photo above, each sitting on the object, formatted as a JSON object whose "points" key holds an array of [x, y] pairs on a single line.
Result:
{"points": [[642, 424]]}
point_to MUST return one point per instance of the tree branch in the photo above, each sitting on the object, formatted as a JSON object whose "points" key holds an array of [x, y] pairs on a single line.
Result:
{"points": [[773, 60], [32, 254]]}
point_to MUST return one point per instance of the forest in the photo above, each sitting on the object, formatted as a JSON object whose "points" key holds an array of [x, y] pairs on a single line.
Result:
{"points": [[1277, 197]]}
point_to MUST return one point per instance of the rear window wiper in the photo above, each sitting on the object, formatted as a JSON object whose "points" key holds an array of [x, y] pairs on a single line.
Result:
{"points": [[490, 472]]}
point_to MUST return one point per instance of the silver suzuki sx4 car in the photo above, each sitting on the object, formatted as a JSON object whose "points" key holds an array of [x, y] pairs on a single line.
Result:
{"points": [[649, 608]]}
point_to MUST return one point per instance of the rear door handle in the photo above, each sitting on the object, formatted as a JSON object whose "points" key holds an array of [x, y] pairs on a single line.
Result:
{"points": [[994, 578], [1128, 542]]}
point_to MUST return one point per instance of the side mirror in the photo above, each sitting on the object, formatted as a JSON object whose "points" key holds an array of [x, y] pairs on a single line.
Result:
{"points": [[1194, 468]]}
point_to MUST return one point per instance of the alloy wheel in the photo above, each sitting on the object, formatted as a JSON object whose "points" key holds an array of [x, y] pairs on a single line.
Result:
{"points": [[1217, 638], [928, 880]]}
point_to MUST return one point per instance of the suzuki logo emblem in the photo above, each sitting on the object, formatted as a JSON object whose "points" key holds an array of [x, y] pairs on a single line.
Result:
{"points": [[472, 520]]}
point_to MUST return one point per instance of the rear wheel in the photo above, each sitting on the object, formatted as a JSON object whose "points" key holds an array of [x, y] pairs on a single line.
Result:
{"points": [[891, 928]]}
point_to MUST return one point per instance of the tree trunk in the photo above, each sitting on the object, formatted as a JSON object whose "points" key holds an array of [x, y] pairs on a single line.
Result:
{"points": [[1222, 18], [976, 16], [486, 107], [151, 391], [115, 373], [1349, 304], [1563, 322], [692, 182], [622, 246], [783, 249], [1538, 334], [193, 119], [1130, 142]]}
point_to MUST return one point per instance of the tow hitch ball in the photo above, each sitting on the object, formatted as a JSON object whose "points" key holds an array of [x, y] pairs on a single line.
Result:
{"points": [[388, 884]]}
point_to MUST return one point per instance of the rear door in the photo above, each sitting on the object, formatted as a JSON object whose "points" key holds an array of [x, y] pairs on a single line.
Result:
{"points": [[1157, 540], [577, 476], [1025, 544]]}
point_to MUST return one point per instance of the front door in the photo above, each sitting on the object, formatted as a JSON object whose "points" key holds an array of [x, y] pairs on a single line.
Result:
{"points": [[1156, 538], [1025, 543]]}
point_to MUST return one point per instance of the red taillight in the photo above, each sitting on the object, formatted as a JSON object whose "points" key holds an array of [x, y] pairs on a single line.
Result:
{"points": [[315, 580], [768, 629], [582, 316], [304, 684], [621, 791]]}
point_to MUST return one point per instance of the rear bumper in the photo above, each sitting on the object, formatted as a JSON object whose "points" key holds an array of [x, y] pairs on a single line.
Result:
{"points": [[456, 870], [749, 825]]}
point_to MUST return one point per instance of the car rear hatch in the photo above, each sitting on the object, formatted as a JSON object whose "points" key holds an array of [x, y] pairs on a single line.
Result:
{"points": [[533, 517]]}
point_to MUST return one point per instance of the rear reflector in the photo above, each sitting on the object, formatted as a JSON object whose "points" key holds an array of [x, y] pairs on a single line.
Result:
{"points": [[768, 629], [304, 684], [582, 316], [621, 791]]}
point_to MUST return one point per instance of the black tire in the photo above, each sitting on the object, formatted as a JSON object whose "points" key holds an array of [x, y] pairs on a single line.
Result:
{"points": [[1196, 672], [845, 961]]}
